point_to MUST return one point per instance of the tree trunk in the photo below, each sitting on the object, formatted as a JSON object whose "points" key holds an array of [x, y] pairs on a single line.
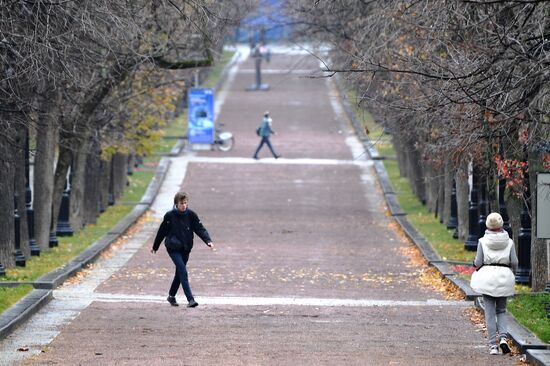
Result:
{"points": [[105, 182], [120, 174], [462, 200], [416, 174], [92, 191], [448, 188], [539, 251], [539, 256], [400, 155], [492, 192], [441, 198], [6, 201], [432, 188], [44, 161], [514, 206], [78, 186]]}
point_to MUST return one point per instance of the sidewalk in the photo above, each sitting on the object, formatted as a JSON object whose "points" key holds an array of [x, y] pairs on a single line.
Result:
{"points": [[308, 267]]}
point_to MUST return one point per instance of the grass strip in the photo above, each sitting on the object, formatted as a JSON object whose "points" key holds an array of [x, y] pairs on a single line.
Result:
{"points": [[11, 295], [531, 311]]}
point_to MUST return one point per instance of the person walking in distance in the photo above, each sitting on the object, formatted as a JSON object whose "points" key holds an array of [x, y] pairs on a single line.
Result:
{"points": [[264, 131], [176, 229], [496, 263]]}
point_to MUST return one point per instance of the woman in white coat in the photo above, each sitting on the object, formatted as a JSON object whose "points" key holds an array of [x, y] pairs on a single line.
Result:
{"points": [[496, 263]]}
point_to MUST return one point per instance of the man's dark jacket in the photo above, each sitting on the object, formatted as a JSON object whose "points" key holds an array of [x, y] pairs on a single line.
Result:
{"points": [[178, 228]]}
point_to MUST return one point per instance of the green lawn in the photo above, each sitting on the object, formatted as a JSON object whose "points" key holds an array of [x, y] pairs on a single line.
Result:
{"points": [[216, 70], [11, 295], [530, 311]]}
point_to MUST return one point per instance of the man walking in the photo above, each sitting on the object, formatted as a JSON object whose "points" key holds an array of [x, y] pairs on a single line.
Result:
{"points": [[264, 131]]}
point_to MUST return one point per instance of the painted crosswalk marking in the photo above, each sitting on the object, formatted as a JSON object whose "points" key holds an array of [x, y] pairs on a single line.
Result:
{"points": [[262, 301]]}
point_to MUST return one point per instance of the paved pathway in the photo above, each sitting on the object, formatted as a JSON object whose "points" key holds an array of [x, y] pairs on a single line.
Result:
{"points": [[308, 267]]}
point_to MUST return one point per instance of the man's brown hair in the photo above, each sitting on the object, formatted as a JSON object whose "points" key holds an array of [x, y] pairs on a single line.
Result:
{"points": [[180, 196]]}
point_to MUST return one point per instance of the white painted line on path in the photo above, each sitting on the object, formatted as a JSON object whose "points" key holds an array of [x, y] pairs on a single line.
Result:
{"points": [[172, 183], [281, 161], [221, 94], [304, 72], [265, 301]]}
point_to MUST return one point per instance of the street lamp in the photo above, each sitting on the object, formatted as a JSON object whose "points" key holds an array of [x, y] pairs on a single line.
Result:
{"points": [[259, 52], [523, 274], [453, 219], [63, 223], [483, 208], [19, 257], [473, 229]]}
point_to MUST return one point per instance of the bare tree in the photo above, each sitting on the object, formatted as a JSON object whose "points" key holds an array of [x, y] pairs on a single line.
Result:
{"points": [[463, 80], [60, 63]]}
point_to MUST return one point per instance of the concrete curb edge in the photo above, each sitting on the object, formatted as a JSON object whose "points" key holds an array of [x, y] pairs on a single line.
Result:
{"points": [[23, 310]]}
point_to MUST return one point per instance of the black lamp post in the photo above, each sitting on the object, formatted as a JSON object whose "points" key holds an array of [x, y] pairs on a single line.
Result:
{"points": [[502, 207], [53, 242], [130, 165], [473, 216], [258, 53], [35, 249], [483, 208], [111, 196], [19, 257], [63, 223], [453, 219], [100, 206], [523, 274], [455, 233]]}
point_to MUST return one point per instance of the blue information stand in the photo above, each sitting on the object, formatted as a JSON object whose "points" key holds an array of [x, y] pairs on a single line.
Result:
{"points": [[201, 116]]}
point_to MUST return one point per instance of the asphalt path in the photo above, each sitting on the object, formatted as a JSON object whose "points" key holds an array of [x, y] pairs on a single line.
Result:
{"points": [[308, 266]]}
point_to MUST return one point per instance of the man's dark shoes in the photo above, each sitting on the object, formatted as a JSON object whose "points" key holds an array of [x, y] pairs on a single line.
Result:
{"points": [[192, 304], [255, 157], [172, 300]]}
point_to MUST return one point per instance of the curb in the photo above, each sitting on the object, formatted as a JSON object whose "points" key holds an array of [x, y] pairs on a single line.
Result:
{"points": [[537, 351], [23, 310], [43, 287]]}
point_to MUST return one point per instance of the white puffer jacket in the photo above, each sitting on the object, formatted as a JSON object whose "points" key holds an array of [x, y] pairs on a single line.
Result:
{"points": [[491, 280]]}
